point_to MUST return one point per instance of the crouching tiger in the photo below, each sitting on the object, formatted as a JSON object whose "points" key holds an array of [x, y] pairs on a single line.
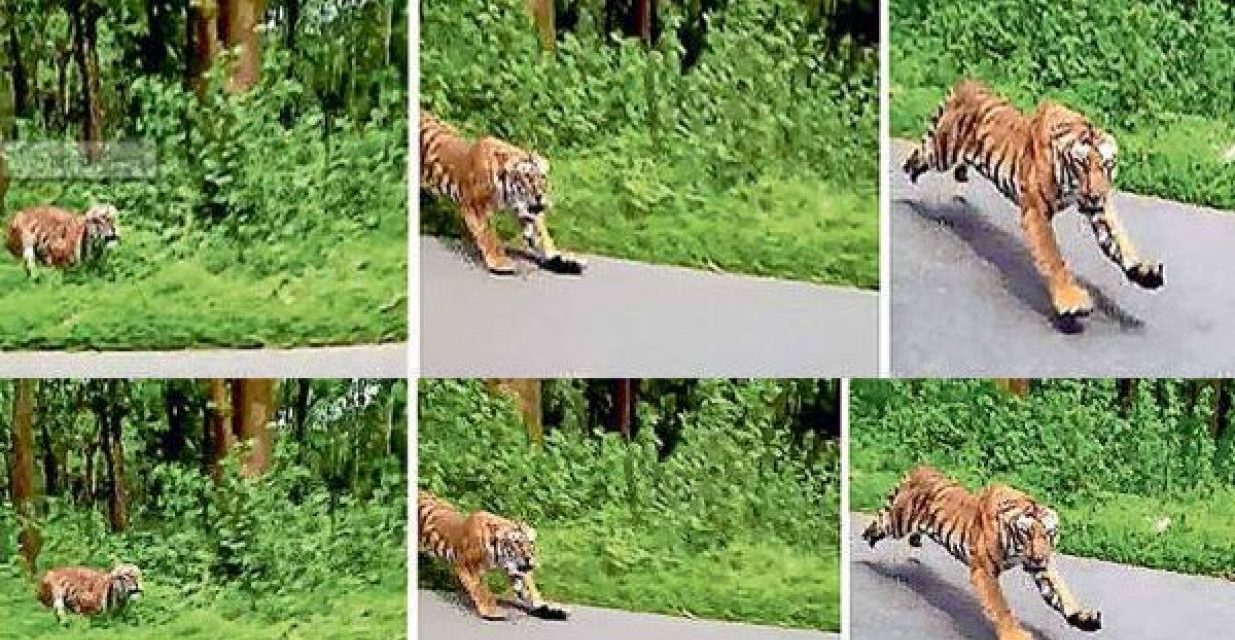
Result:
{"points": [[89, 592], [483, 177], [991, 532], [1044, 162], [478, 542], [56, 237]]}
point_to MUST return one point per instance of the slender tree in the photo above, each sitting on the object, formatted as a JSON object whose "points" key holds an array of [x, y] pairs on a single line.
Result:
{"points": [[527, 395], [253, 409], [28, 540], [84, 17]]}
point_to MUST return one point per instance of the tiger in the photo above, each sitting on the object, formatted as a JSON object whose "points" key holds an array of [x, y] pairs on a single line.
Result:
{"points": [[56, 237], [1045, 162], [992, 531], [478, 542], [486, 176], [89, 592]]}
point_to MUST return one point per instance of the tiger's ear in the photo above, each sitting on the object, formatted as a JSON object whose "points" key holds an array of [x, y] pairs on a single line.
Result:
{"points": [[541, 162], [531, 533], [1108, 149]]}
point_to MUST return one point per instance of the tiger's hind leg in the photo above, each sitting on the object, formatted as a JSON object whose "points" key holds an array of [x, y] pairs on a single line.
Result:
{"points": [[1059, 597], [487, 242], [473, 584], [878, 529], [1118, 248], [994, 605]]}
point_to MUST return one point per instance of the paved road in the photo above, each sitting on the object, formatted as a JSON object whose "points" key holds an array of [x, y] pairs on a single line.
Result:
{"points": [[900, 593], [624, 318], [443, 617], [966, 300], [364, 361]]}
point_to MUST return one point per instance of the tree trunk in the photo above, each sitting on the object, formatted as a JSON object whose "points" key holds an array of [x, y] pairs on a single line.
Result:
{"points": [[51, 463], [153, 44], [176, 404], [204, 43], [526, 393], [238, 22], [253, 409], [1222, 409], [4, 177], [28, 539], [625, 396], [84, 17], [21, 78], [112, 441], [218, 425], [543, 16], [643, 21], [1018, 387], [304, 389]]}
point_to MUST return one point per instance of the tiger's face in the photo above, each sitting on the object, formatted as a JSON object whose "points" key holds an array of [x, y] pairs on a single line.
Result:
{"points": [[1036, 528], [1091, 160], [515, 550], [126, 580], [101, 224], [526, 186]]}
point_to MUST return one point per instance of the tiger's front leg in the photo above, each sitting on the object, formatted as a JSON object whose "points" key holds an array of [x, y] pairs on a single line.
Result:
{"points": [[525, 589], [473, 583], [540, 243], [1068, 299], [487, 242], [994, 605], [1059, 597], [1118, 247]]}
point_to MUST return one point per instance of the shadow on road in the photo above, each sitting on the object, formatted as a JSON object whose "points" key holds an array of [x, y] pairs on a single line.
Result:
{"points": [[1007, 253], [961, 605]]}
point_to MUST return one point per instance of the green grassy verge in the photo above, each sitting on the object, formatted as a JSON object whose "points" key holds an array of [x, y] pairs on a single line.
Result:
{"points": [[1193, 533], [1182, 158], [152, 295], [349, 614], [780, 227], [758, 581]]}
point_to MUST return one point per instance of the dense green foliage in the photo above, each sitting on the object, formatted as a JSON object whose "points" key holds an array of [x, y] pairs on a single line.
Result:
{"points": [[1156, 73], [753, 149], [312, 548], [1143, 475], [276, 217], [738, 521]]}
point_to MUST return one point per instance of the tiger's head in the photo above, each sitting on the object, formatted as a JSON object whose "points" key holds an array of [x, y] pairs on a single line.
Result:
{"points": [[126, 584], [525, 185], [101, 229], [1034, 529], [514, 550], [1090, 160]]}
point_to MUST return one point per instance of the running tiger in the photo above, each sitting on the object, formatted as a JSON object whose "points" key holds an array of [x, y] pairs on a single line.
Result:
{"points": [[991, 532], [56, 237], [89, 592], [483, 177], [479, 542], [1044, 162]]}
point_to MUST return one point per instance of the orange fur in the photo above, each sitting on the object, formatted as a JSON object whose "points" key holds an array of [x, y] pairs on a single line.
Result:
{"points": [[476, 543], [89, 591], [1045, 161], [992, 531], [486, 176], [58, 238]]}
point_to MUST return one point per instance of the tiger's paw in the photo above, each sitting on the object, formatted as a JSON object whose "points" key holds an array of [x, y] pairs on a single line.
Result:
{"points": [[1014, 633], [501, 266], [1071, 304], [550, 612], [564, 265], [1147, 275], [1086, 620], [496, 615]]}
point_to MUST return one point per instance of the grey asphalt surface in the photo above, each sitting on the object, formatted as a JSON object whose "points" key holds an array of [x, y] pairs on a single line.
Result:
{"points": [[966, 300], [901, 593], [362, 361], [444, 617], [624, 318]]}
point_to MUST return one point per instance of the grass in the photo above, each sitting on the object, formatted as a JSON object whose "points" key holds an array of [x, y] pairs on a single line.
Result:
{"points": [[760, 581], [1193, 532], [784, 227], [205, 292], [377, 613], [1180, 159]]}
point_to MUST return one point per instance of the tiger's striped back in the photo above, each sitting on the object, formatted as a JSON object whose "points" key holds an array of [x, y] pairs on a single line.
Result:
{"points": [[1000, 525], [1054, 153], [441, 148]]}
